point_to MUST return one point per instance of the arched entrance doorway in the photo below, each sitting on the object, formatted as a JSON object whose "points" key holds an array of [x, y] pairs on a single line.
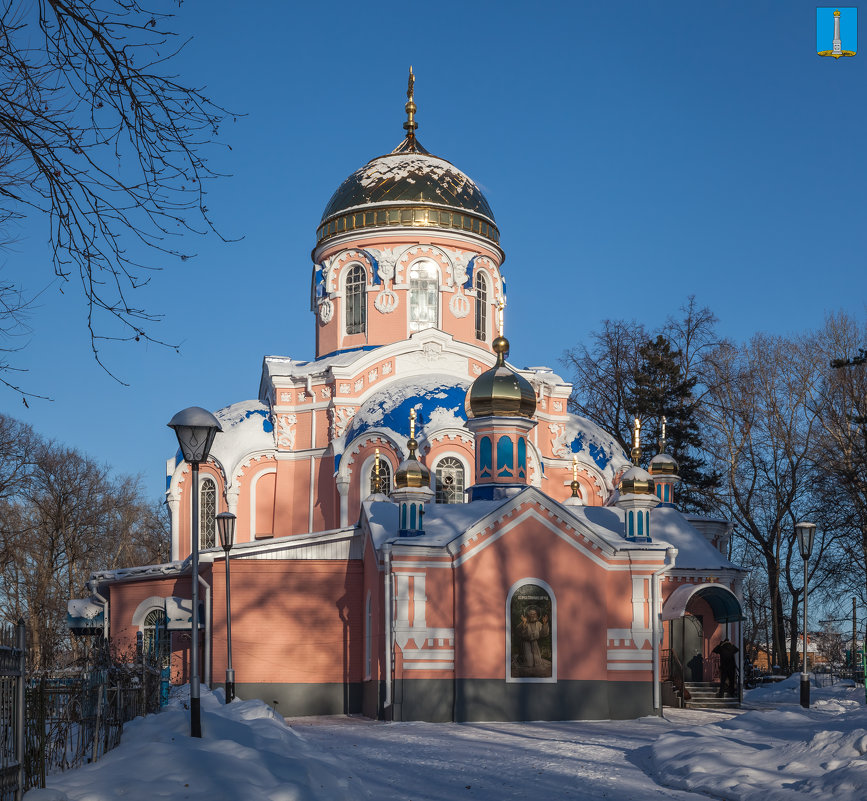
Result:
{"points": [[699, 615]]}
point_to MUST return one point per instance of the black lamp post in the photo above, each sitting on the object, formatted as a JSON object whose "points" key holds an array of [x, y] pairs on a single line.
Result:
{"points": [[226, 527], [806, 532], [195, 429]]}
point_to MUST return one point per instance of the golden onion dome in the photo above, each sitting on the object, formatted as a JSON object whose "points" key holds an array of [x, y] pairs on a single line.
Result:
{"points": [[411, 472], [663, 464], [636, 481], [408, 187], [500, 391]]}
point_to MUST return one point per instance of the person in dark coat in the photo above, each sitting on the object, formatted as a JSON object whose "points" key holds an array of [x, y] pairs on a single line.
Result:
{"points": [[727, 667]]}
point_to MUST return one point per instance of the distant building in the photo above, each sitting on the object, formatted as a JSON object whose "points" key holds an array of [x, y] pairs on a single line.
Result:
{"points": [[501, 560]]}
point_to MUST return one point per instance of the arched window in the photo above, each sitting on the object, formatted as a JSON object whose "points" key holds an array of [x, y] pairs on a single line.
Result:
{"points": [[208, 513], [384, 478], [356, 310], [156, 645], [450, 480], [481, 307], [423, 295]]}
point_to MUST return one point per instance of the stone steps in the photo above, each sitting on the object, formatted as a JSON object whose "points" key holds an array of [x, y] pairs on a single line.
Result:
{"points": [[703, 695]]}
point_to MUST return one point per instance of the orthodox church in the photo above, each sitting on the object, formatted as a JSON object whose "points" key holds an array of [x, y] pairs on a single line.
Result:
{"points": [[424, 531]]}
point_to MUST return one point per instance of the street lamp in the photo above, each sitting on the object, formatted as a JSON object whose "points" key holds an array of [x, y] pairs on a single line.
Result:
{"points": [[195, 429], [806, 532], [226, 527]]}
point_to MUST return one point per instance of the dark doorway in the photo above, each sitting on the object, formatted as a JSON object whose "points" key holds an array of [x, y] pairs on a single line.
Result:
{"points": [[686, 642]]}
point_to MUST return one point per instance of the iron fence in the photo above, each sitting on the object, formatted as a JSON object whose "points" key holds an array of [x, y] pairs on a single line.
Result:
{"points": [[69, 718]]}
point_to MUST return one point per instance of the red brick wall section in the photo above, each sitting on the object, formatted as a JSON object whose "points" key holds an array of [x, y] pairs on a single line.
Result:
{"points": [[292, 621]]}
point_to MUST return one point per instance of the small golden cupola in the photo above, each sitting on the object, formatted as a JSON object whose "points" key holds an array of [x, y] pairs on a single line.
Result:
{"points": [[664, 469], [411, 488], [500, 391], [637, 494], [500, 406]]}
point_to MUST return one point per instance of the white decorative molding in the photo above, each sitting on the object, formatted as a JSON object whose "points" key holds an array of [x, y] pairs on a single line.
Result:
{"points": [[386, 368], [326, 310], [558, 406], [460, 262], [558, 442], [359, 384], [341, 418], [386, 259], [345, 389], [372, 375], [325, 392], [459, 305], [386, 301], [285, 397], [477, 369], [286, 430]]}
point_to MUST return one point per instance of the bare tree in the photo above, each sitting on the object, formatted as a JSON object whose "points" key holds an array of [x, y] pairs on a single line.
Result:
{"points": [[763, 415], [63, 517], [100, 140]]}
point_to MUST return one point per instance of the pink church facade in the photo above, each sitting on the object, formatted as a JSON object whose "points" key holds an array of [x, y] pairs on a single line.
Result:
{"points": [[525, 589]]}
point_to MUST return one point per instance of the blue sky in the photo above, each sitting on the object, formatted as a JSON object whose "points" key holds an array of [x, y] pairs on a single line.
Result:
{"points": [[633, 154]]}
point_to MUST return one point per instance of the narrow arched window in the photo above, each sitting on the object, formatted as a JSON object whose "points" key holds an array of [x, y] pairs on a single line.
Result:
{"points": [[155, 638], [450, 480], [356, 311], [423, 295], [384, 478], [208, 513], [481, 307]]}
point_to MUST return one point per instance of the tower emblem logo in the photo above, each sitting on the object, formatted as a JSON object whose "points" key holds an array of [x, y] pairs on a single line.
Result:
{"points": [[836, 28]]}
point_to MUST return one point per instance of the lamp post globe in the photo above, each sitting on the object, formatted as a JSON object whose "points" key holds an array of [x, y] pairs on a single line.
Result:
{"points": [[195, 429], [226, 528], [806, 533]]}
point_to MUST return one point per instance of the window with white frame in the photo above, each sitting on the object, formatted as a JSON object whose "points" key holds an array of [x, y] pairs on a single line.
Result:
{"points": [[356, 308], [449, 474], [384, 478], [156, 646], [423, 295], [208, 513], [481, 307]]}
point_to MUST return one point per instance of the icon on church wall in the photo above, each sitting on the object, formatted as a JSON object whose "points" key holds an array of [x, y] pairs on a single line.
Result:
{"points": [[836, 32], [531, 633]]}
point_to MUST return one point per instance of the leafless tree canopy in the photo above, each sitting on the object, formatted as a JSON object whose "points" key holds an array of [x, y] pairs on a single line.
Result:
{"points": [[63, 516], [783, 423], [100, 140]]}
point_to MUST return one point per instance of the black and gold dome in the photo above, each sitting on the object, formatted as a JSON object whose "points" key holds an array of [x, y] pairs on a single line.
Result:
{"points": [[500, 391], [408, 187]]}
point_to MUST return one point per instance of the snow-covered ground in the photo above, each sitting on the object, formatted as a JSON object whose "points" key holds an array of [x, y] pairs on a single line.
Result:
{"points": [[773, 750]]}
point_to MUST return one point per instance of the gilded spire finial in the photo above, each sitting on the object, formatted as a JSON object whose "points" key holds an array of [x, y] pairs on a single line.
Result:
{"points": [[575, 485], [501, 308], [410, 125], [377, 487], [662, 437], [636, 441], [411, 443]]}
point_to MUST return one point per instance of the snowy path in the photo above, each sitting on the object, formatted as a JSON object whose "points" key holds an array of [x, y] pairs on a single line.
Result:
{"points": [[773, 752], [502, 761]]}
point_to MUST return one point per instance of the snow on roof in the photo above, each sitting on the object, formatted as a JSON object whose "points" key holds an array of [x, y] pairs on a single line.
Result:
{"points": [[443, 522], [694, 552], [247, 428], [587, 439], [437, 399], [285, 366]]}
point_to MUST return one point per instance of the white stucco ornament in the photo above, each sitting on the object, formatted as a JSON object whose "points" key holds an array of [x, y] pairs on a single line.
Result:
{"points": [[326, 311], [459, 305], [286, 430], [386, 301], [558, 439], [386, 261]]}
